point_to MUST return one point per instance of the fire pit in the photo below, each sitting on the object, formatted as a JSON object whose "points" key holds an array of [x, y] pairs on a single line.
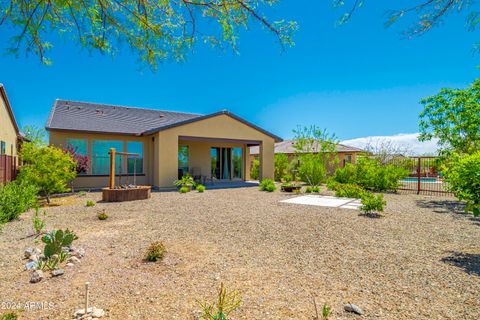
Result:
{"points": [[127, 192]]}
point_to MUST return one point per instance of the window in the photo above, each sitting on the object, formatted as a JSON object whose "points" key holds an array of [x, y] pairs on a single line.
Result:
{"points": [[101, 158], [182, 160], [348, 158], [79, 150], [2, 147], [135, 164], [79, 146], [237, 162]]}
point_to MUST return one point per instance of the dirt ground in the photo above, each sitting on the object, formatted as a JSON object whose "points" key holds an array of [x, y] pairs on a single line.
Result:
{"points": [[420, 261]]}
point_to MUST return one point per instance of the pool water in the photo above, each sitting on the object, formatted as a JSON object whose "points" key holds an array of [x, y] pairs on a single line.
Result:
{"points": [[412, 179]]}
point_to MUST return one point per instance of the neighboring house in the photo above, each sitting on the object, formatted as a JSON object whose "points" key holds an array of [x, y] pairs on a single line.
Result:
{"points": [[346, 154], [9, 139], [170, 144]]}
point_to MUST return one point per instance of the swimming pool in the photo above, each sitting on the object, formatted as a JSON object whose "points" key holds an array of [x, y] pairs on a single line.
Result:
{"points": [[423, 180]]}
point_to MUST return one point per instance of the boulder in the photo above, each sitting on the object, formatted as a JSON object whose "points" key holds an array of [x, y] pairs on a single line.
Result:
{"points": [[57, 272], [353, 308], [37, 276]]}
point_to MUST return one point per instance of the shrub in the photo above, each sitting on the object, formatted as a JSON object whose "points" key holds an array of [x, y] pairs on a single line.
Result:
{"points": [[316, 189], [81, 161], [38, 223], [102, 215], [48, 168], [372, 203], [184, 189], [9, 316], [200, 188], [155, 252], [267, 185], [349, 191], [227, 302], [255, 169], [464, 181], [312, 169], [287, 178], [15, 199], [308, 189], [347, 174], [281, 164], [332, 184], [185, 182], [90, 203], [56, 239]]}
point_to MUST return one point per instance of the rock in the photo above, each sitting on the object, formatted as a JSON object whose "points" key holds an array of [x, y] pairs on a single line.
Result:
{"points": [[37, 276], [33, 258], [31, 265], [66, 249], [69, 264], [57, 272], [92, 313], [97, 313], [353, 308], [73, 260], [78, 252], [31, 251]]}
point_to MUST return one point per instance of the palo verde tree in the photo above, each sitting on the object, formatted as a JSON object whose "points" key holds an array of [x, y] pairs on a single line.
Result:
{"points": [[156, 30], [315, 150], [453, 116]]}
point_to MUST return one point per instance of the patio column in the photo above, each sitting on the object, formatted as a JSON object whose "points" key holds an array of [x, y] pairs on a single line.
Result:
{"points": [[246, 152], [267, 154], [166, 160]]}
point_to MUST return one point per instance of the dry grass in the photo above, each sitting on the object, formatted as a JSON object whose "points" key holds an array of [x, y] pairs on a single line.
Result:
{"points": [[420, 261]]}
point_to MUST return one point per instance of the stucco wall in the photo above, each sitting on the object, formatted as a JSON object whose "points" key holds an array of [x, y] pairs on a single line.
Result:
{"points": [[221, 126], [7, 130], [59, 139]]}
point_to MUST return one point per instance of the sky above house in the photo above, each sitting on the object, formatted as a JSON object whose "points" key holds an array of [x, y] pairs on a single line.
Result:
{"points": [[359, 80]]}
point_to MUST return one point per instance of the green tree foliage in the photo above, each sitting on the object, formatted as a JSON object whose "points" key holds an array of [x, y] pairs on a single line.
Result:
{"points": [[156, 30], [372, 203], [464, 181], [47, 168], [281, 165], [15, 199], [453, 116], [255, 170], [315, 151], [35, 135]]}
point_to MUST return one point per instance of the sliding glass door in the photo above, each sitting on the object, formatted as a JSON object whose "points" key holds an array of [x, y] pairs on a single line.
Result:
{"points": [[226, 163]]}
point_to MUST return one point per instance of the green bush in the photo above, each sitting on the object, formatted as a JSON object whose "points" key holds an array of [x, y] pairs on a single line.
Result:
{"points": [[287, 178], [90, 203], [102, 215], [15, 199], [349, 191], [155, 252], [255, 169], [184, 189], [316, 189], [463, 179], [372, 203], [9, 316], [308, 189], [267, 185], [281, 165], [200, 188], [347, 174], [312, 169], [185, 181]]}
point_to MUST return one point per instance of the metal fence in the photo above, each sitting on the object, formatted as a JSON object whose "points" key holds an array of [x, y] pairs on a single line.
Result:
{"points": [[8, 168], [425, 176]]}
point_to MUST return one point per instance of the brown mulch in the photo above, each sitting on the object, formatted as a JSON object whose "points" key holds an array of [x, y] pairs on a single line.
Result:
{"points": [[421, 260]]}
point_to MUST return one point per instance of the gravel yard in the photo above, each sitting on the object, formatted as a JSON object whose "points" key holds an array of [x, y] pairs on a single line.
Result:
{"points": [[420, 261]]}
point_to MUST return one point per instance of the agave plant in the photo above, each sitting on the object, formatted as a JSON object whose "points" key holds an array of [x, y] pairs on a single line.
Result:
{"points": [[185, 181], [56, 239]]}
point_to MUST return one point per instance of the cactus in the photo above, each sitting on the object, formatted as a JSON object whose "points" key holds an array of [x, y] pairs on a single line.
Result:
{"points": [[56, 239]]}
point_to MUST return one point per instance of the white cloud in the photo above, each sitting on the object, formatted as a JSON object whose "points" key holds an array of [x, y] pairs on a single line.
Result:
{"points": [[408, 141]]}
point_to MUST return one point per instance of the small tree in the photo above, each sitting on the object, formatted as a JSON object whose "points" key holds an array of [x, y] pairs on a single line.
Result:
{"points": [[48, 168], [255, 169], [281, 165], [464, 181]]}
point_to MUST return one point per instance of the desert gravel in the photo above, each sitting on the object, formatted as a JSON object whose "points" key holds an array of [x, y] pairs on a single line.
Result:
{"points": [[420, 261]]}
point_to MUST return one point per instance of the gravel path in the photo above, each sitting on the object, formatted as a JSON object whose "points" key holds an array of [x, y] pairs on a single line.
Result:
{"points": [[420, 261]]}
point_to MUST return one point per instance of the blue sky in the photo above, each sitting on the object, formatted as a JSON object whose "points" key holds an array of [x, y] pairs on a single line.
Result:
{"points": [[356, 80]]}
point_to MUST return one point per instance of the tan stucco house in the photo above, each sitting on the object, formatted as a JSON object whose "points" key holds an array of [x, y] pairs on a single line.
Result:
{"points": [[9, 132], [346, 154], [168, 144]]}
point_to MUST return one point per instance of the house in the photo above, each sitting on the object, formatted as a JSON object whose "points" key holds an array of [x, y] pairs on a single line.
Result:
{"points": [[167, 144], [346, 154], [9, 139]]}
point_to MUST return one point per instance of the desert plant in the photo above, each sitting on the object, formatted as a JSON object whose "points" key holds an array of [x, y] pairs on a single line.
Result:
{"points": [[255, 169], [38, 223], [349, 191], [464, 181], [185, 182], [227, 302], [267, 185], [326, 311], [316, 189], [155, 252], [55, 240], [90, 203], [50, 263], [48, 168], [81, 193], [287, 178], [102, 215], [9, 316], [308, 189], [184, 190], [16, 198], [200, 188], [372, 203], [280, 166]]}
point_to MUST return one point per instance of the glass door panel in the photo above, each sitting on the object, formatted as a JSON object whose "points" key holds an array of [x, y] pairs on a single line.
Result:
{"points": [[237, 160]]}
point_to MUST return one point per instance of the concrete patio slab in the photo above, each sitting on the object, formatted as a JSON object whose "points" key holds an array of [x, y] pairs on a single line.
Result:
{"points": [[326, 201]]}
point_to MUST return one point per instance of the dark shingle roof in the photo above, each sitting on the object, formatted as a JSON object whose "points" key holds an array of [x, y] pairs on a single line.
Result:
{"points": [[288, 147], [103, 118], [70, 115]]}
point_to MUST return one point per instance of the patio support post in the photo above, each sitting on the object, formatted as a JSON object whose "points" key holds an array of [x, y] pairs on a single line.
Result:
{"points": [[267, 149], [112, 168]]}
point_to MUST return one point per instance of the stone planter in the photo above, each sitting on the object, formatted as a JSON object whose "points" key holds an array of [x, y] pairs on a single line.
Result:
{"points": [[130, 194]]}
